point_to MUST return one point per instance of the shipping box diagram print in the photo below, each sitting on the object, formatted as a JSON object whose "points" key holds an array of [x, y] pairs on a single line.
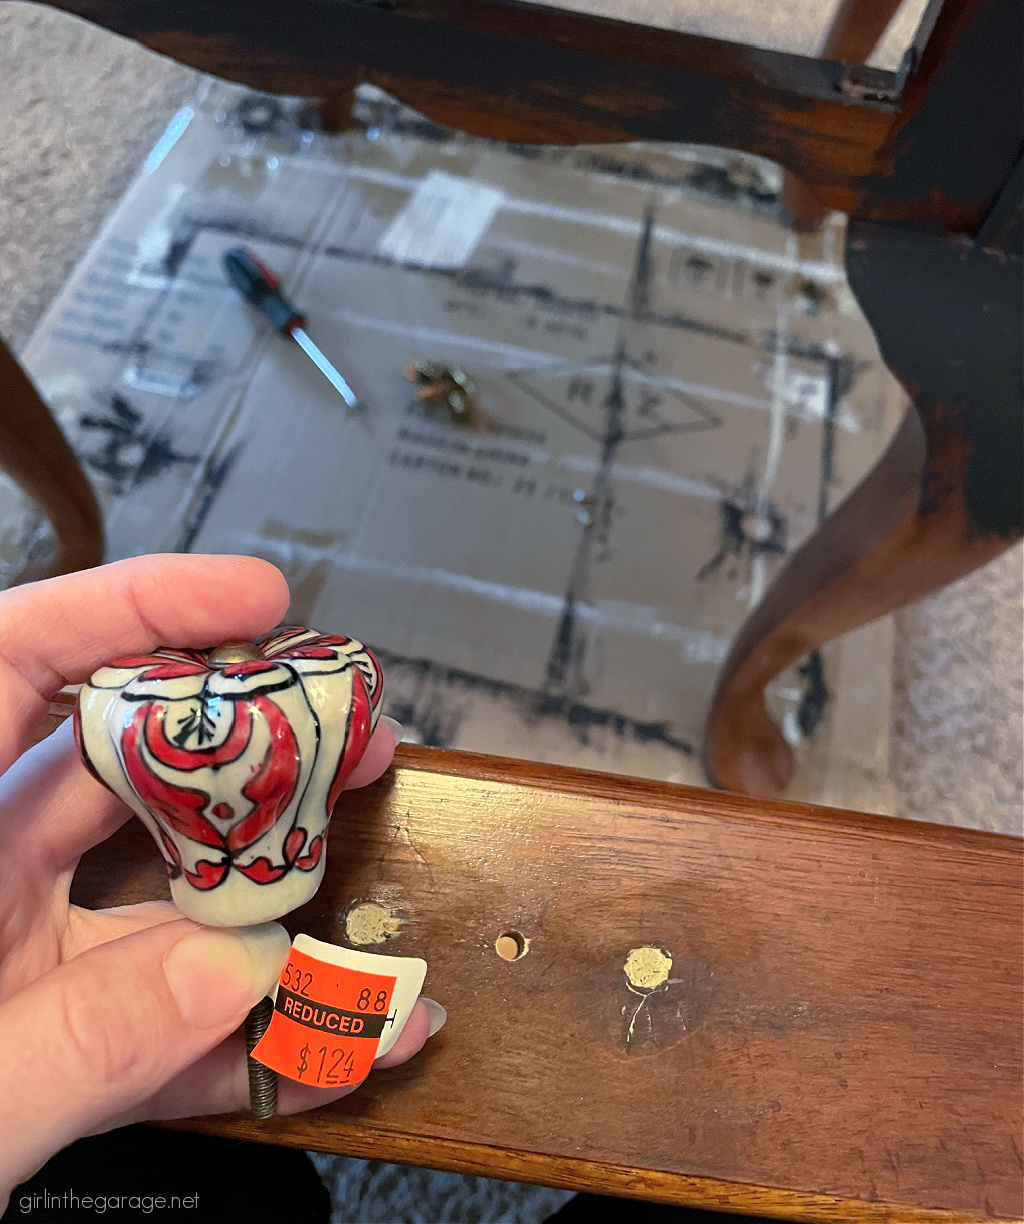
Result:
{"points": [[671, 394]]}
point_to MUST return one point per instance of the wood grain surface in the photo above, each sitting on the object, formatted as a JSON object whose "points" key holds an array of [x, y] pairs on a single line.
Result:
{"points": [[36, 455], [530, 72], [839, 1037], [855, 29]]}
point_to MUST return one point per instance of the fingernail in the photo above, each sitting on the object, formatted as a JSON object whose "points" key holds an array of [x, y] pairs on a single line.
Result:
{"points": [[216, 974], [436, 1015], [397, 730]]}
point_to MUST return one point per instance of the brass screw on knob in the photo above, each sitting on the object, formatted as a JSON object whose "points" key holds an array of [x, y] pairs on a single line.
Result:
{"points": [[234, 652]]}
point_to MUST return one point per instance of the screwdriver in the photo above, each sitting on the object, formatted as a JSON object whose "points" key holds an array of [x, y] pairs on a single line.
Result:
{"points": [[258, 285]]}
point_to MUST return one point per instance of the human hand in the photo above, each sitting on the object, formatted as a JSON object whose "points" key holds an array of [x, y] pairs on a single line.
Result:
{"points": [[129, 1014]]}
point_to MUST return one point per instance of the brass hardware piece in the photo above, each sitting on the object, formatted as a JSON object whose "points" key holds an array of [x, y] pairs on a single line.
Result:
{"points": [[439, 386]]}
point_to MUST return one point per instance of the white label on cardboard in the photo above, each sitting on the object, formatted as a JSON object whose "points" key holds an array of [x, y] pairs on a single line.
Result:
{"points": [[809, 392], [442, 222]]}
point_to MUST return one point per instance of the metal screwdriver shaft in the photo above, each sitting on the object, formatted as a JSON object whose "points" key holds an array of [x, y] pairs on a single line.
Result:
{"points": [[301, 337], [258, 284]]}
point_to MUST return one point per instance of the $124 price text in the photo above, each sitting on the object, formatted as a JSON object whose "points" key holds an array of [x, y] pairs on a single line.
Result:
{"points": [[317, 1002]]}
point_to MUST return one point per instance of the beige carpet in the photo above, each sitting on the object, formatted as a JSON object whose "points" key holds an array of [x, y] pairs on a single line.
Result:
{"points": [[78, 110]]}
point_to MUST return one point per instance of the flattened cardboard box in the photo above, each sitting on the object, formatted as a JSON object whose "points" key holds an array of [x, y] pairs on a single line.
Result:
{"points": [[673, 389]]}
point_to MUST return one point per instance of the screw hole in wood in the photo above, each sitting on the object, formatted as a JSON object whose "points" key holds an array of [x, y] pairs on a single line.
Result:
{"points": [[512, 945]]}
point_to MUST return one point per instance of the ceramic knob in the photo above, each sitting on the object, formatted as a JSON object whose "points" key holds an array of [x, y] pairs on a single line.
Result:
{"points": [[234, 758]]}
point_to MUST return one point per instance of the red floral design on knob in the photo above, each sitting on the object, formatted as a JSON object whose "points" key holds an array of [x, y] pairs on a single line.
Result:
{"points": [[234, 758]]}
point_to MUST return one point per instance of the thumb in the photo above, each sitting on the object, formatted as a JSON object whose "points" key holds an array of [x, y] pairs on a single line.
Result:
{"points": [[101, 1033]]}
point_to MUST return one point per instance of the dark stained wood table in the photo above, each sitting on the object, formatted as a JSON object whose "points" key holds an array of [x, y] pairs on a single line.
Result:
{"points": [[826, 1023]]}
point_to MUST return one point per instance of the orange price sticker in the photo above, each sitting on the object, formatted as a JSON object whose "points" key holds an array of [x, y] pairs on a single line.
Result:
{"points": [[329, 1020]]}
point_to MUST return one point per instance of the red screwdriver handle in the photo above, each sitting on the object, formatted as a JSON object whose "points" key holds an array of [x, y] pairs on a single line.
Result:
{"points": [[258, 285]]}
